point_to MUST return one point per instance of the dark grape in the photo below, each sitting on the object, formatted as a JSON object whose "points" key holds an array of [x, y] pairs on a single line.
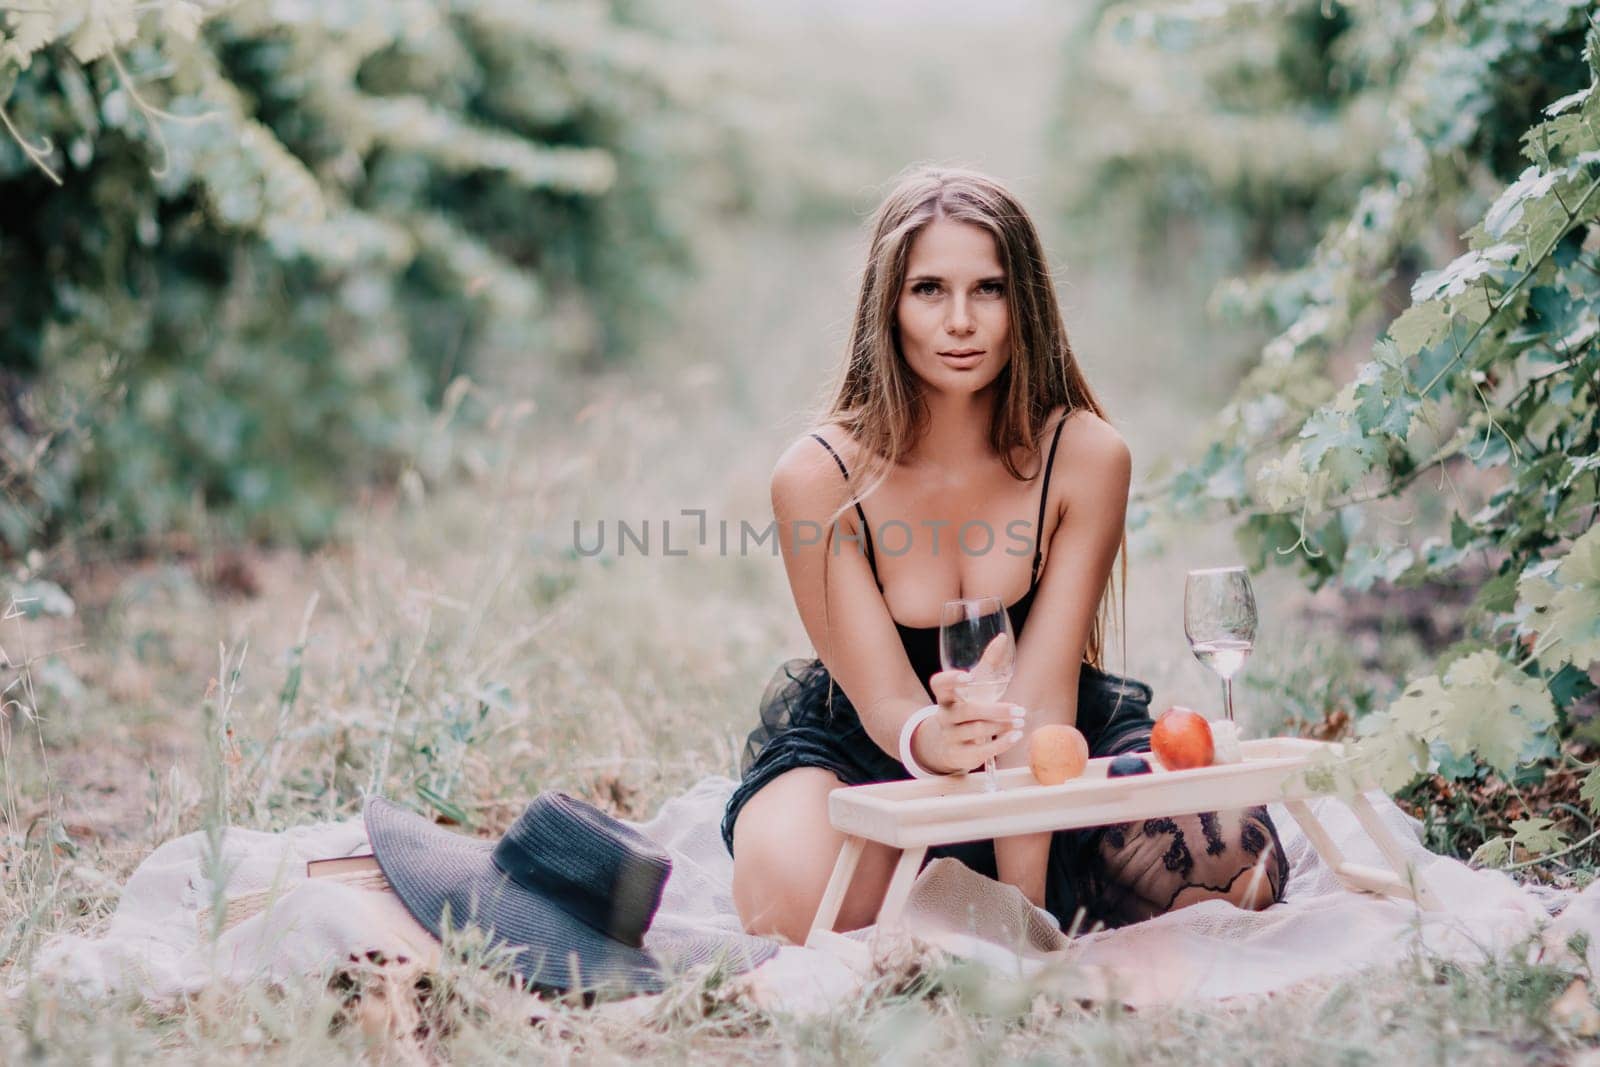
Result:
{"points": [[1123, 766]]}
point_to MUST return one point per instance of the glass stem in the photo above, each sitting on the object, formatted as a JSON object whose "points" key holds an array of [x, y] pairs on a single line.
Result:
{"points": [[1227, 697], [991, 784]]}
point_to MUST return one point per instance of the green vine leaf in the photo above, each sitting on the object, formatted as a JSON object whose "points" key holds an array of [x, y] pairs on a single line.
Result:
{"points": [[1568, 102], [1462, 272], [1335, 443], [1537, 834], [1284, 482], [1495, 852], [1388, 753], [103, 28], [182, 19], [1562, 603], [1421, 326], [1589, 791], [29, 31], [1479, 705], [1506, 211]]}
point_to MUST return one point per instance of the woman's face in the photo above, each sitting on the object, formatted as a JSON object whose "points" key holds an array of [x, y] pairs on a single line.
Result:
{"points": [[955, 320]]}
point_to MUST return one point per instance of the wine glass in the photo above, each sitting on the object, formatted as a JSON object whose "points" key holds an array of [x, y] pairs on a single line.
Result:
{"points": [[1219, 618], [975, 635]]}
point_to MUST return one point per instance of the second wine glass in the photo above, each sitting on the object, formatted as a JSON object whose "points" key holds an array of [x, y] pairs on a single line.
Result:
{"points": [[975, 635], [1219, 618]]}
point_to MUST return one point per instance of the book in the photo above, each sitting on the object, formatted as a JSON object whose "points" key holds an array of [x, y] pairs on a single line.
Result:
{"points": [[341, 865]]}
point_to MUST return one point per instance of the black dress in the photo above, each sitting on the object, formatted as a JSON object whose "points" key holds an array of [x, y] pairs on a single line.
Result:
{"points": [[1116, 874]]}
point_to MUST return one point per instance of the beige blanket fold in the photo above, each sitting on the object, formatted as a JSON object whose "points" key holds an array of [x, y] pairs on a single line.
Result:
{"points": [[278, 925]]}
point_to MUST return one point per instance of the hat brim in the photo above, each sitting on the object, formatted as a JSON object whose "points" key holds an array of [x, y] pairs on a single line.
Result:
{"points": [[439, 874]]}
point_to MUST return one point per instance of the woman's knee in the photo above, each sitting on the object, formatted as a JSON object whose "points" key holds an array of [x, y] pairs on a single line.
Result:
{"points": [[784, 852], [772, 897]]}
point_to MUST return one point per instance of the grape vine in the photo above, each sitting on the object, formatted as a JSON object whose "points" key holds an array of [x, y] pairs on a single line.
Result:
{"points": [[240, 238], [1462, 447]]}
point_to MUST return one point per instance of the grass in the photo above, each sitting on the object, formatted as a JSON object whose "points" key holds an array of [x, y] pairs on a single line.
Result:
{"points": [[1501, 1012]]}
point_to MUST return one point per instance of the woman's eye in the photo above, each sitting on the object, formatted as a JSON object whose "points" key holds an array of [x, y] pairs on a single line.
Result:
{"points": [[929, 288]]}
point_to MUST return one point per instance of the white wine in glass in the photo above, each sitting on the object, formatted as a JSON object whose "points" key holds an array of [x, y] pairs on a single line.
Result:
{"points": [[975, 636], [1219, 618]]}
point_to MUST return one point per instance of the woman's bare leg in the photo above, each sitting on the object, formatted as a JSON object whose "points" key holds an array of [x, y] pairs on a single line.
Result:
{"points": [[783, 852]]}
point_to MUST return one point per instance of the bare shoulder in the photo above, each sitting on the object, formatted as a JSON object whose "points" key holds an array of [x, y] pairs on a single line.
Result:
{"points": [[1093, 438], [806, 479], [1096, 454]]}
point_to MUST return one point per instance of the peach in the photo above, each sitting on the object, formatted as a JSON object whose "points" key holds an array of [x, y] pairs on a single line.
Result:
{"points": [[1182, 739], [1057, 752]]}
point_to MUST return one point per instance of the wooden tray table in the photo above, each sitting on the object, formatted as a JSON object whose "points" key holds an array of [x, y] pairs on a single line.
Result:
{"points": [[916, 814]]}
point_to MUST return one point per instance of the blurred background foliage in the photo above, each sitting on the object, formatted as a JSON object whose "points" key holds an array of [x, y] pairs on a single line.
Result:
{"points": [[246, 249]]}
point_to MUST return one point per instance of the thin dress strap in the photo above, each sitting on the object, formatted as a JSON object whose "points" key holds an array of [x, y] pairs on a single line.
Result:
{"points": [[1044, 495], [866, 529]]}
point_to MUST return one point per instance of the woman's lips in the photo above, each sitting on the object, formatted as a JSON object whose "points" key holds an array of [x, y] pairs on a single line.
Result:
{"points": [[968, 359]]}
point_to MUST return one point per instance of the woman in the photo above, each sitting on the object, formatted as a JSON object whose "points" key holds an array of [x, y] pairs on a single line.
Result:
{"points": [[958, 374]]}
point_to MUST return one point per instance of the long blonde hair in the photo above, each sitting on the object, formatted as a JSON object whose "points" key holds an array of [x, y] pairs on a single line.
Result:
{"points": [[878, 400]]}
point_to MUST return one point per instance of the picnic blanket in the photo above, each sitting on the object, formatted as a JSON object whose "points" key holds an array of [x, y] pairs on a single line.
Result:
{"points": [[181, 922]]}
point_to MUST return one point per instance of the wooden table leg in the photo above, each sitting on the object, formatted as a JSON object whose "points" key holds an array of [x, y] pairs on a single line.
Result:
{"points": [[905, 873], [1361, 878], [1404, 870], [844, 869], [1316, 833]]}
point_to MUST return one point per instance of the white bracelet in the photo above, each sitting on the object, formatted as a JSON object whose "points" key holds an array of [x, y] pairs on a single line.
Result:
{"points": [[917, 718]]}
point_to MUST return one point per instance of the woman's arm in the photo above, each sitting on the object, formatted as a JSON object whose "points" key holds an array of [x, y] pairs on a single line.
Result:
{"points": [[1093, 503], [856, 639]]}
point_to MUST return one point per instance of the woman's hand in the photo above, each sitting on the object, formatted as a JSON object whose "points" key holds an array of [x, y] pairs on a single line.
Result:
{"points": [[964, 733]]}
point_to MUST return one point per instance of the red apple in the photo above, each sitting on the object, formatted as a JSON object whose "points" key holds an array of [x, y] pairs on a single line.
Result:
{"points": [[1182, 739]]}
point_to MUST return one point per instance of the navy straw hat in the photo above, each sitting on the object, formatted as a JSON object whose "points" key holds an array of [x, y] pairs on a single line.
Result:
{"points": [[568, 888]]}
